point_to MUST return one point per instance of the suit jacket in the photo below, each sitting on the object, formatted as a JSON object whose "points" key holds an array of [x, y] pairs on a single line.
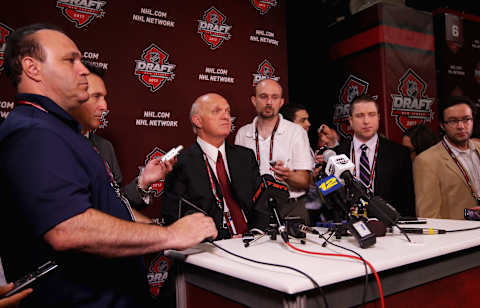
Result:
{"points": [[393, 175], [440, 188], [107, 152], [189, 179]]}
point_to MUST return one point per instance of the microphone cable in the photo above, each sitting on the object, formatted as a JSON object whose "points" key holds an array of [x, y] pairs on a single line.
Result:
{"points": [[380, 291], [317, 286], [459, 230]]}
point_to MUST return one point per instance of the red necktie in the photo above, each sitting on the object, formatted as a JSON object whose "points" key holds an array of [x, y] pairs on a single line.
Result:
{"points": [[235, 211]]}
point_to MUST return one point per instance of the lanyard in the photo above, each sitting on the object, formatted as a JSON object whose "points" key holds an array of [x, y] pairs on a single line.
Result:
{"points": [[257, 146], [372, 170], [32, 104], [462, 169], [226, 213]]}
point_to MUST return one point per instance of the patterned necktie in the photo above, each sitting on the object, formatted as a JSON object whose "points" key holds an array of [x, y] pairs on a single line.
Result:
{"points": [[364, 166], [235, 211]]}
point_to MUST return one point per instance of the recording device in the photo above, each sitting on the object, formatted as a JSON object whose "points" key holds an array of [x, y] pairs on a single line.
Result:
{"points": [[29, 278], [272, 163], [272, 204], [172, 153], [471, 214], [364, 236]]}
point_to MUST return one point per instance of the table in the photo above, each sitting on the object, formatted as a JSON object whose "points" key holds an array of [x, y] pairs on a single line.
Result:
{"points": [[401, 265]]}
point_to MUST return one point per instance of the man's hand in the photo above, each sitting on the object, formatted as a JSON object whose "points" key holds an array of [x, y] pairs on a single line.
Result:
{"points": [[12, 301], [191, 230], [154, 171], [327, 136], [280, 171]]}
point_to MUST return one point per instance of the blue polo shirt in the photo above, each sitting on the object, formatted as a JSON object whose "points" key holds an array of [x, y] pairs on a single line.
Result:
{"points": [[50, 173]]}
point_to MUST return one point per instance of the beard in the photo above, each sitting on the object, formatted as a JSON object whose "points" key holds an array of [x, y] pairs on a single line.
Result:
{"points": [[267, 113]]}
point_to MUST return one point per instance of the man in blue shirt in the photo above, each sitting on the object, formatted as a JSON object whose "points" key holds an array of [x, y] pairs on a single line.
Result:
{"points": [[58, 200]]}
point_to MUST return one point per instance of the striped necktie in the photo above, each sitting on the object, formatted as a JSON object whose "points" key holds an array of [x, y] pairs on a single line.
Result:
{"points": [[364, 166]]}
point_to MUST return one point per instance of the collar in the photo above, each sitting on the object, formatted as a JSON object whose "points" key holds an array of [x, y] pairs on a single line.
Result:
{"points": [[370, 143], [280, 130], [210, 150], [51, 107], [457, 151]]}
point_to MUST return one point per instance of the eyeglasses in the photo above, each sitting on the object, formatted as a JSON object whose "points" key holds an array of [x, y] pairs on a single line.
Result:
{"points": [[455, 122]]}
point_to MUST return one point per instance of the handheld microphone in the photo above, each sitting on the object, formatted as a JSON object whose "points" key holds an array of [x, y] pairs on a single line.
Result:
{"points": [[272, 204], [340, 166]]}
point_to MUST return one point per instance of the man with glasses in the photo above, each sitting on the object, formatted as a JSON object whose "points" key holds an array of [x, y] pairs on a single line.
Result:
{"points": [[447, 175]]}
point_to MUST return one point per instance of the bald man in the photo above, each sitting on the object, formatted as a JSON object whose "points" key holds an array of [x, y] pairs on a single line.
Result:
{"points": [[275, 139], [218, 177]]}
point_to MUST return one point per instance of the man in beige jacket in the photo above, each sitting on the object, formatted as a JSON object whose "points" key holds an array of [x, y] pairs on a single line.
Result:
{"points": [[447, 175]]}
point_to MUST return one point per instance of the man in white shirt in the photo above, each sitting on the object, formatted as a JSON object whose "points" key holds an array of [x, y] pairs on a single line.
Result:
{"points": [[281, 147]]}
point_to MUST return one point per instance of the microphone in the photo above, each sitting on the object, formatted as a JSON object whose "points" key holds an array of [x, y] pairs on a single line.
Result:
{"points": [[379, 208], [182, 199], [272, 204], [340, 166], [306, 229]]}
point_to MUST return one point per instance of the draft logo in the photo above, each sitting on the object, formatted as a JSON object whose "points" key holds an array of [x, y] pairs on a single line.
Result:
{"points": [[81, 12], [264, 71], [411, 106], [212, 29], [158, 273], [352, 88], [4, 33], [263, 6], [153, 70], [156, 187]]}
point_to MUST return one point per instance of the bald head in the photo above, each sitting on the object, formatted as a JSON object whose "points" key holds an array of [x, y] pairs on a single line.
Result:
{"points": [[210, 117], [268, 83], [268, 99]]}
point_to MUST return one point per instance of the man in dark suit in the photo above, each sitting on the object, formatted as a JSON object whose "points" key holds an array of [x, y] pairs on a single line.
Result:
{"points": [[385, 168], [89, 115], [197, 176]]}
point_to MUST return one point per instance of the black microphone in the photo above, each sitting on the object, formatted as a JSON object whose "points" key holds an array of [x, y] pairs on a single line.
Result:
{"points": [[272, 204], [306, 229], [379, 208], [196, 207]]}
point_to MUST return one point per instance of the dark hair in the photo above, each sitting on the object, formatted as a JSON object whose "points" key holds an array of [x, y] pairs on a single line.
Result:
{"points": [[363, 99], [452, 101], [100, 72], [288, 110], [20, 44], [422, 137]]}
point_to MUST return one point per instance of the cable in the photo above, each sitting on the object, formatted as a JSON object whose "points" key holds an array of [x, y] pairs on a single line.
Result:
{"points": [[458, 230], [364, 264], [347, 256], [317, 286]]}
